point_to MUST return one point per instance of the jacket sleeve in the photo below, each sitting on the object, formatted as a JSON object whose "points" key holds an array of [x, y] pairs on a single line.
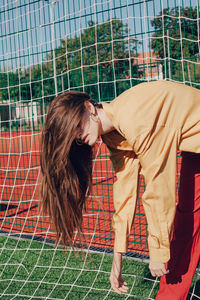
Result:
{"points": [[127, 167], [159, 199]]}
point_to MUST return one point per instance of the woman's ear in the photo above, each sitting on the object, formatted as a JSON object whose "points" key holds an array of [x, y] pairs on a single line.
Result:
{"points": [[90, 107]]}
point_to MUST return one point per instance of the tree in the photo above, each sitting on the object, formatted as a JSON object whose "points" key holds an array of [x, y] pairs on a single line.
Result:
{"points": [[96, 58], [176, 42], [9, 85]]}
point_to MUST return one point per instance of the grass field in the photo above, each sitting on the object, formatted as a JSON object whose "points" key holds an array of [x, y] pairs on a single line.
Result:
{"points": [[32, 270]]}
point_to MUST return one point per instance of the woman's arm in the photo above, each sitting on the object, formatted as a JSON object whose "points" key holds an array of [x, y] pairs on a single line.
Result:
{"points": [[159, 199], [127, 169], [116, 280], [157, 269]]}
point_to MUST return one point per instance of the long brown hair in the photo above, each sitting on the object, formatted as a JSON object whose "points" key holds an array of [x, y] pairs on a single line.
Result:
{"points": [[66, 167]]}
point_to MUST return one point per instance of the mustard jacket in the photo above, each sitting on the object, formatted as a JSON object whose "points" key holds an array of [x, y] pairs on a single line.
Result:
{"points": [[152, 121]]}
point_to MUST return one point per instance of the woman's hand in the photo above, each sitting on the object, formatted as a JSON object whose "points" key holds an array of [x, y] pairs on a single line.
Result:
{"points": [[157, 269], [117, 283]]}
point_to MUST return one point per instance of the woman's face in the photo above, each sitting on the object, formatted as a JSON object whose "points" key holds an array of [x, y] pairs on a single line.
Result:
{"points": [[89, 127]]}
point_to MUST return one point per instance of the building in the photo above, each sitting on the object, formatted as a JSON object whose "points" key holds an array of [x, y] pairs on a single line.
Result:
{"points": [[150, 64]]}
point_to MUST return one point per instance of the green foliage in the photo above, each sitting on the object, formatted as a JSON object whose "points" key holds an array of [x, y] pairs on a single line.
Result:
{"points": [[94, 60], [176, 39], [97, 58]]}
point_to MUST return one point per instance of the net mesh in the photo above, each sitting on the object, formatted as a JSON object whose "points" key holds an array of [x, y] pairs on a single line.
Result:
{"points": [[99, 47]]}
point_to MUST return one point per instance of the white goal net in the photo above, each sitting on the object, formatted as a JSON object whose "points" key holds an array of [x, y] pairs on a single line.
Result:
{"points": [[101, 47]]}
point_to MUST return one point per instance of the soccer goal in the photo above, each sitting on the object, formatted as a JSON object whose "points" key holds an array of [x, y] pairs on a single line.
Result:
{"points": [[101, 47]]}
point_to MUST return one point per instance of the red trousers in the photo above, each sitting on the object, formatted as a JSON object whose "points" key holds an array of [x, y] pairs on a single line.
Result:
{"points": [[185, 245]]}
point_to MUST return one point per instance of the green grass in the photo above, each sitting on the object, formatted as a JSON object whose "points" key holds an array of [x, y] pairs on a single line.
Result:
{"points": [[32, 270]]}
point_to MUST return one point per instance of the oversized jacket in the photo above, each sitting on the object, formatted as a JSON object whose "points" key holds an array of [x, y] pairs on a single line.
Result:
{"points": [[152, 121]]}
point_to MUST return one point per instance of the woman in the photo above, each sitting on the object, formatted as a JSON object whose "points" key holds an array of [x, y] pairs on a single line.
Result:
{"points": [[143, 129]]}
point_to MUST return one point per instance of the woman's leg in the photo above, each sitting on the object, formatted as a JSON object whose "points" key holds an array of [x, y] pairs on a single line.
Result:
{"points": [[185, 245]]}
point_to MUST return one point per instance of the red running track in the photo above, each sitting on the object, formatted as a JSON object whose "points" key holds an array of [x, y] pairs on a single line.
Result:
{"points": [[19, 180]]}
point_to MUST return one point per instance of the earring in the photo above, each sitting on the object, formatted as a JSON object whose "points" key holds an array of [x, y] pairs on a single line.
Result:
{"points": [[95, 117], [79, 142]]}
